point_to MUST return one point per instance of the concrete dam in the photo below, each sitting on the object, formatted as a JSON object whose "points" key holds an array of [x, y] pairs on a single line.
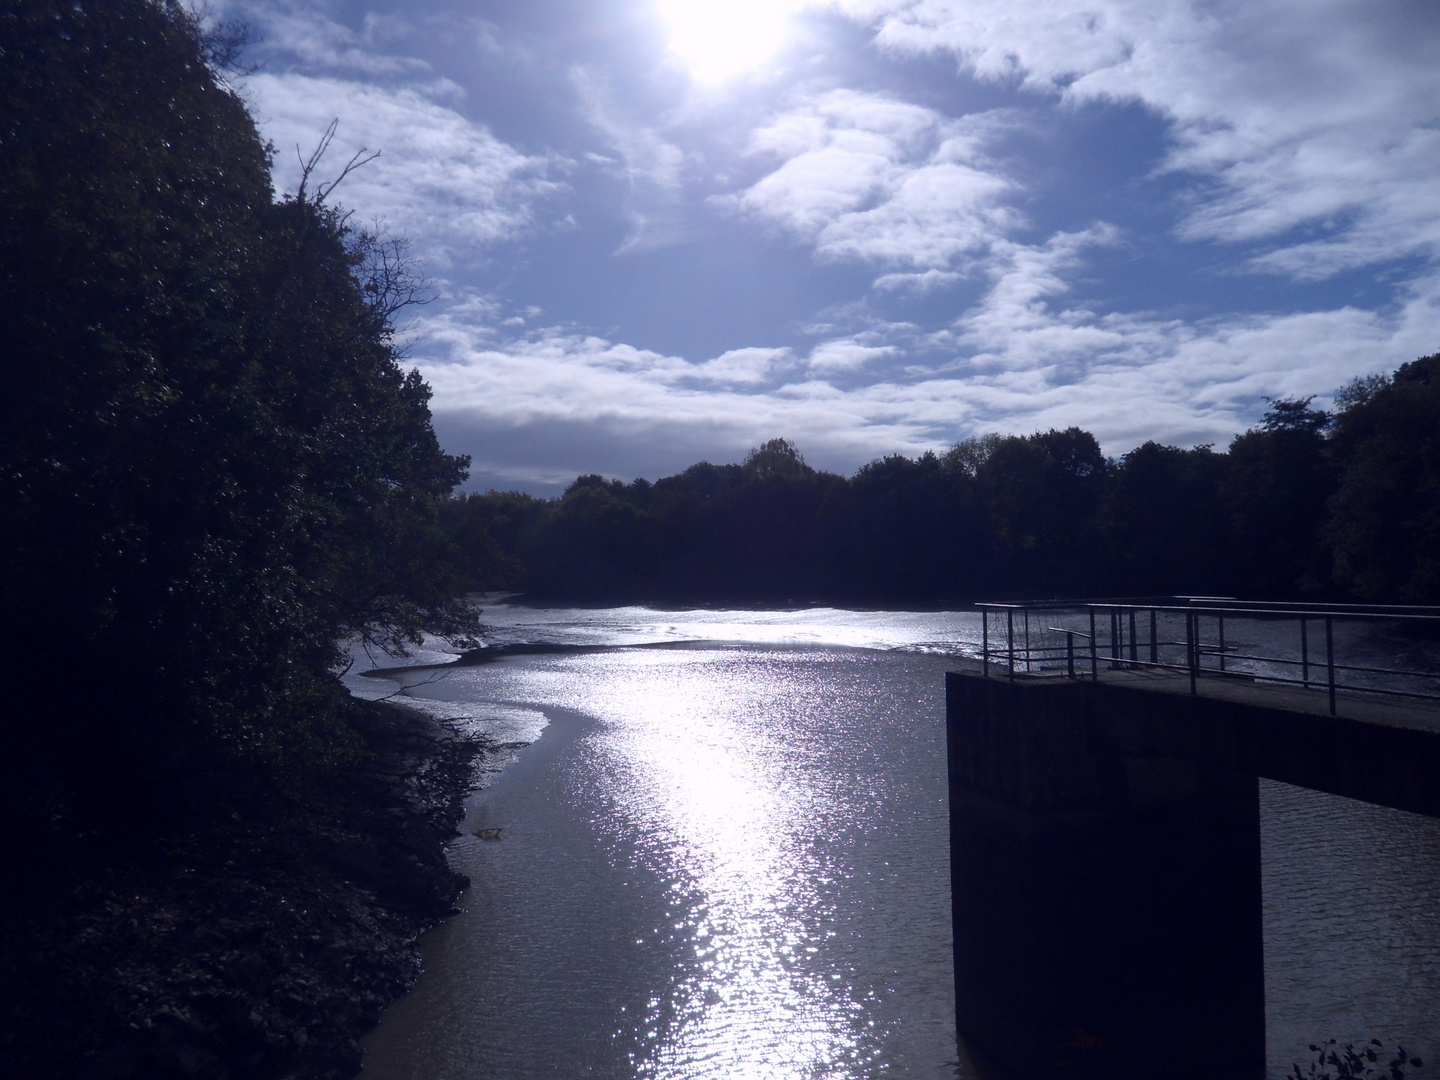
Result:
{"points": [[1105, 828]]}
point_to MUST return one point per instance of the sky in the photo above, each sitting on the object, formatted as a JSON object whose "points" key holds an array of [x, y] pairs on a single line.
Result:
{"points": [[665, 231]]}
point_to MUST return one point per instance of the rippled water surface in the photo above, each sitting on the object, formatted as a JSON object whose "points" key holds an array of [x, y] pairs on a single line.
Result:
{"points": [[725, 855]]}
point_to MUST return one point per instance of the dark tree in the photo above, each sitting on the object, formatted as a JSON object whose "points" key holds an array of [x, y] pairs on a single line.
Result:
{"points": [[593, 542], [1044, 515], [776, 459], [1042, 495], [488, 531], [1166, 526], [1383, 531], [212, 467], [913, 533], [1279, 478]]}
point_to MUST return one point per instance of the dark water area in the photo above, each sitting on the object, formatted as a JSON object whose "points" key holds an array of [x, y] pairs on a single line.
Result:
{"points": [[1352, 924], [729, 857]]}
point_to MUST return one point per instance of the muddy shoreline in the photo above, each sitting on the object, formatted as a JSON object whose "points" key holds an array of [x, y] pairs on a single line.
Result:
{"points": [[260, 940]]}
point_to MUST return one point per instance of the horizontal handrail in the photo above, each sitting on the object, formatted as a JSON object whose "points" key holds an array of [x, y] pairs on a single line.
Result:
{"points": [[1352, 612], [1204, 651]]}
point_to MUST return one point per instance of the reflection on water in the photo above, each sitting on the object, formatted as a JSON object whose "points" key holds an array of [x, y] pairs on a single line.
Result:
{"points": [[737, 867], [732, 861], [947, 632]]}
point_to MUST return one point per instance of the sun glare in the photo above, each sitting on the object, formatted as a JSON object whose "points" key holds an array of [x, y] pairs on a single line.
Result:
{"points": [[718, 40]]}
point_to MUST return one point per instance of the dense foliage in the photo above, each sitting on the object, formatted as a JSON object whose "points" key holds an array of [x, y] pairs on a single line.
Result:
{"points": [[212, 467], [1306, 504]]}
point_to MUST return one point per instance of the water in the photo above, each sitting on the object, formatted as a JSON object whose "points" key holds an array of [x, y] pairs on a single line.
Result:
{"points": [[1352, 924], [725, 855]]}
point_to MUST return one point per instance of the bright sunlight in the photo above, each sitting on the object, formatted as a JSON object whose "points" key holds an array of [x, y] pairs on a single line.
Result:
{"points": [[718, 40]]}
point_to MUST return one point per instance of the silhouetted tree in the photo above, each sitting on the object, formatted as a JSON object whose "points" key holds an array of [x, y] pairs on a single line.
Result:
{"points": [[212, 468], [1165, 523], [1042, 515], [1383, 531], [489, 531], [914, 533], [1042, 495], [592, 543], [1279, 477]]}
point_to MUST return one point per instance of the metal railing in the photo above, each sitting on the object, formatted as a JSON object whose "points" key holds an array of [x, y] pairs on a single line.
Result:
{"points": [[1285, 643]]}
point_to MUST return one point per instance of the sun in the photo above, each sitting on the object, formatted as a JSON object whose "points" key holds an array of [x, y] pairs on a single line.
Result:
{"points": [[719, 40]]}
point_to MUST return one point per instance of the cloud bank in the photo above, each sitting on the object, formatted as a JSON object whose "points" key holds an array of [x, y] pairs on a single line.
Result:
{"points": [[914, 221]]}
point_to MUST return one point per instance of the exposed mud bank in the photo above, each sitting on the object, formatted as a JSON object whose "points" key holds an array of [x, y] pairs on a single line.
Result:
{"points": [[259, 942]]}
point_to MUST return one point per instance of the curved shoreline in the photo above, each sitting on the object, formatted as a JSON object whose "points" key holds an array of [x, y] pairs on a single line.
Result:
{"points": [[260, 941], [413, 1027], [491, 654]]}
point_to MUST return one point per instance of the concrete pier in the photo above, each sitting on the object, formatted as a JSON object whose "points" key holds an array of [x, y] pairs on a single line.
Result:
{"points": [[1105, 860], [1105, 831], [1106, 904]]}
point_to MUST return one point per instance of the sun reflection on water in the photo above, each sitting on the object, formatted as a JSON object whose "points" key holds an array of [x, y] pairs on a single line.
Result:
{"points": [[740, 796], [714, 794], [731, 861]]}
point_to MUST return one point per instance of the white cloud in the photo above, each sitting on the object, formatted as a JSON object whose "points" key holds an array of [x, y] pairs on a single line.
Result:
{"points": [[923, 282], [1019, 361], [742, 366], [875, 179], [646, 156], [1305, 132], [1320, 115], [846, 354], [1033, 362], [314, 39], [654, 168], [442, 179], [1016, 315]]}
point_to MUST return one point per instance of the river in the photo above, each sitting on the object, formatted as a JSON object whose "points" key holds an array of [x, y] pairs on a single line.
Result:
{"points": [[722, 852]]}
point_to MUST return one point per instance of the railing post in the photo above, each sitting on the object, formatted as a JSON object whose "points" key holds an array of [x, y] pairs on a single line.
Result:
{"points": [[1330, 659], [1010, 638], [1195, 609], [1094, 657], [1192, 646]]}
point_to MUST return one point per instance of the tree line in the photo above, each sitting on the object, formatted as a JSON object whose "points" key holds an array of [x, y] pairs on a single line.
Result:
{"points": [[1307, 504]]}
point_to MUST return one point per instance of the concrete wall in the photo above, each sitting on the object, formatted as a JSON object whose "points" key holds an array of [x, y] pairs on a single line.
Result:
{"points": [[1105, 872], [1382, 752]]}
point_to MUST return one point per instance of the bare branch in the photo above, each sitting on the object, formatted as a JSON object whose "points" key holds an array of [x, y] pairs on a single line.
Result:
{"points": [[404, 688], [363, 156], [390, 276], [221, 43], [308, 167]]}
